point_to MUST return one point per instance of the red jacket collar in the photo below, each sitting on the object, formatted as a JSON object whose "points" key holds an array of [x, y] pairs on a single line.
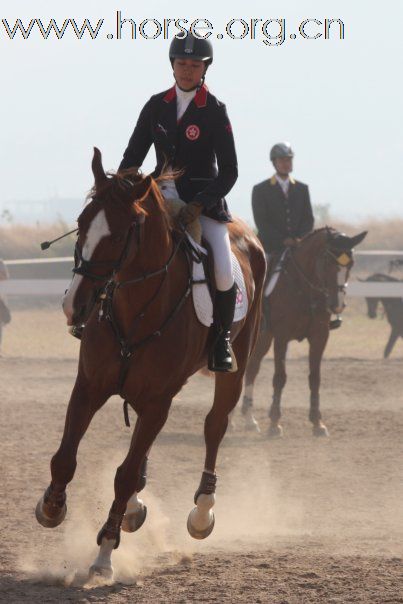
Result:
{"points": [[170, 95], [200, 97]]}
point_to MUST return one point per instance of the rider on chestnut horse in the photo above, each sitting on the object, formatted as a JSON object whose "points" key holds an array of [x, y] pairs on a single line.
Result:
{"points": [[132, 288], [192, 135]]}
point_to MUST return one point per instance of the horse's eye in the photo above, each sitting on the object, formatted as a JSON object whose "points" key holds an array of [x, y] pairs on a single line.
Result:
{"points": [[117, 239]]}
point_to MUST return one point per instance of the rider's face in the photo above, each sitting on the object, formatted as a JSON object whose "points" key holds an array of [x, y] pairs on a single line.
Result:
{"points": [[188, 72], [283, 165]]}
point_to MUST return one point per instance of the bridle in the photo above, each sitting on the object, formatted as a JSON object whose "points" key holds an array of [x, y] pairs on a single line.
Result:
{"points": [[86, 268], [344, 260]]}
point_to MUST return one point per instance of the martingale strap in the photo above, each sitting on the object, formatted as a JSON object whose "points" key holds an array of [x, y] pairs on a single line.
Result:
{"points": [[127, 347]]}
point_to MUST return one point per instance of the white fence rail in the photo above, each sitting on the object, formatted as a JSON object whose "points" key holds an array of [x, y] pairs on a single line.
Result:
{"points": [[34, 287], [57, 287]]}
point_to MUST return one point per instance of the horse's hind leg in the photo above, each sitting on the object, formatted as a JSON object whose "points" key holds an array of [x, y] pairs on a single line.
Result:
{"points": [[227, 393], [279, 380], [150, 421], [51, 508], [262, 347], [228, 388]]}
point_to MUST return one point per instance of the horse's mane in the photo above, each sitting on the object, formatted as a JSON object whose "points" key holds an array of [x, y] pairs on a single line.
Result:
{"points": [[118, 184], [330, 231]]}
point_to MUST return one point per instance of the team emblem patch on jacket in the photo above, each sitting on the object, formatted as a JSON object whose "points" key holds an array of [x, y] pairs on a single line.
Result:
{"points": [[192, 132]]}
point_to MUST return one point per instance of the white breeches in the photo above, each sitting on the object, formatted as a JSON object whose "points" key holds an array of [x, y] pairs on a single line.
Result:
{"points": [[216, 234]]}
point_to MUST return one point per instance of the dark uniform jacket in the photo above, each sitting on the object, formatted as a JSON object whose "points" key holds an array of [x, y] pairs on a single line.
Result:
{"points": [[277, 216], [201, 143]]}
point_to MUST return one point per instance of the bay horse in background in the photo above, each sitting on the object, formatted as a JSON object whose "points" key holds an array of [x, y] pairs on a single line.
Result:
{"points": [[142, 340], [310, 287], [393, 308]]}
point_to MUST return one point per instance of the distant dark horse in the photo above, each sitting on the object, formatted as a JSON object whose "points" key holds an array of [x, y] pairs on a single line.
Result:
{"points": [[393, 309], [142, 339], [310, 287]]}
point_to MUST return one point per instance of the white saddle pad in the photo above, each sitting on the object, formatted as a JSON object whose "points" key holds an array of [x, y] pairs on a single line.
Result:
{"points": [[201, 294], [274, 278]]}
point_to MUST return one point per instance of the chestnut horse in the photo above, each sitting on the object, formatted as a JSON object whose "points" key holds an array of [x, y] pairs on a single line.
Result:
{"points": [[142, 340], [311, 287]]}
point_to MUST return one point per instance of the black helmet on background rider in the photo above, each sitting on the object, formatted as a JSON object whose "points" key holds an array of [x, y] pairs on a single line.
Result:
{"points": [[281, 150], [190, 46]]}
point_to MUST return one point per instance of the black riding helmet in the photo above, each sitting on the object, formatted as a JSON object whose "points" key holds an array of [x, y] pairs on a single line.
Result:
{"points": [[190, 46]]}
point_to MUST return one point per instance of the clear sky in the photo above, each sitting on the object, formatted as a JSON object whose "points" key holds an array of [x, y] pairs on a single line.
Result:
{"points": [[339, 102]]}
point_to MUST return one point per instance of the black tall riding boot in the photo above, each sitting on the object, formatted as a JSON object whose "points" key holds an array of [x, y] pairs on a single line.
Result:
{"points": [[220, 358]]}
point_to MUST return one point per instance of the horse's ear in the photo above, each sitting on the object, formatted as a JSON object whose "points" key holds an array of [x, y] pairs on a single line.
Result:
{"points": [[97, 168], [357, 239]]}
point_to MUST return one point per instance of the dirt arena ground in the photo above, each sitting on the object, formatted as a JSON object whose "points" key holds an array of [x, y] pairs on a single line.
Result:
{"points": [[298, 520]]}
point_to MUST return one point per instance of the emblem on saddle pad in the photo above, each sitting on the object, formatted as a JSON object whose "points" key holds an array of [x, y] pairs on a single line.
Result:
{"points": [[239, 298], [192, 132]]}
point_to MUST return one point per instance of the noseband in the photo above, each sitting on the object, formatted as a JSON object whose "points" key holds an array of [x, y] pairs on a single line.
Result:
{"points": [[343, 260], [86, 268]]}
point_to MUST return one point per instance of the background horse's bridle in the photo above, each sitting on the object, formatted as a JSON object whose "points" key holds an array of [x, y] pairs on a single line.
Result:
{"points": [[343, 260]]}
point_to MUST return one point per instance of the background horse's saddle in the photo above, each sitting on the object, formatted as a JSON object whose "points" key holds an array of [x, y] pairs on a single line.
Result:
{"points": [[276, 266]]}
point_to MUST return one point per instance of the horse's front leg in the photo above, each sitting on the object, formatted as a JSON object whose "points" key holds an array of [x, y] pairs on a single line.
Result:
{"points": [[279, 380], [84, 402], [262, 347], [127, 511], [317, 346], [228, 390], [394, 334]]}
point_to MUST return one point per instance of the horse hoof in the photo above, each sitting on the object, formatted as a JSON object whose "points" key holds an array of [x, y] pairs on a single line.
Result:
{"points": [[132, 522], [49, 521], [100, 573], [251, 425], [320, 430], [200, 533], [275, 431]]}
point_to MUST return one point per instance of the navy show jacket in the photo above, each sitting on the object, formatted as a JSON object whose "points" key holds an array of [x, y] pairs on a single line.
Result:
{"points": [[277, 216], [201, 144]]}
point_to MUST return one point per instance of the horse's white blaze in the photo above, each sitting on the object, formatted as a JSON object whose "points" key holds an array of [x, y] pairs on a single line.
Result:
{"points": [[98, 229], [341, 281]]}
